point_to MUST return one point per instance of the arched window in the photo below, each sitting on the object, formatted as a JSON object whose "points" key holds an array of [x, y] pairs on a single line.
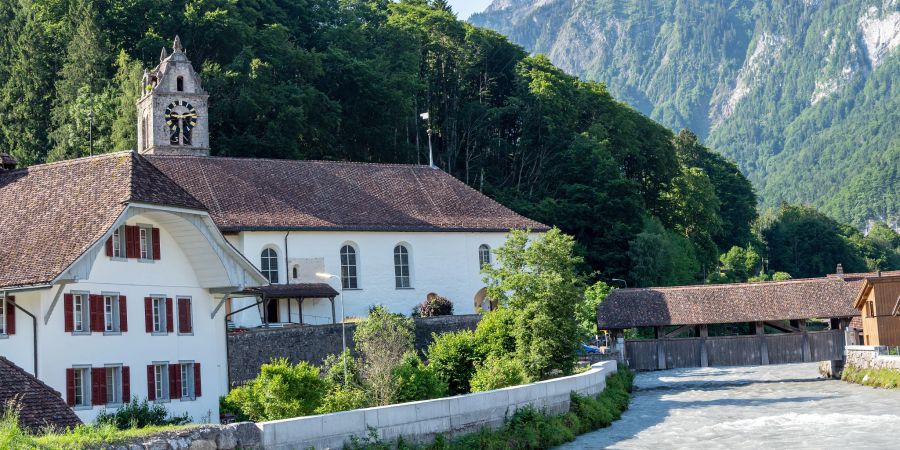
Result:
{"points": [[349, 272], [269, 264], [179, 84], [401, 266], [484, 255], [295, 272]]}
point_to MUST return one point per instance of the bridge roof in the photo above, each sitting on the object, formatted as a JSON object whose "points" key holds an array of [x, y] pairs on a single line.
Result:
{"points": [[827, 297]]}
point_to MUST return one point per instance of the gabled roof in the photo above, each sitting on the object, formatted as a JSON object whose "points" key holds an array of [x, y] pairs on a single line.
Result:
{"points": [[40, 406], [870, 282], [729, 303], [53, 213], [244, 194]]}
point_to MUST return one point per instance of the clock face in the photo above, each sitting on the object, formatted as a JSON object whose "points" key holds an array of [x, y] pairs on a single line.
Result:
{"points": [[181, 119]]}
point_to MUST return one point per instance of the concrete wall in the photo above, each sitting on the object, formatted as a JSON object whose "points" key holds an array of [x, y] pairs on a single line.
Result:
{"points": [[421, 421], [312, 343], [867, 357]]}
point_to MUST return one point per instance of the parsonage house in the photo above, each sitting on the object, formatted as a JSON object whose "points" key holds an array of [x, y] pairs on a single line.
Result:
{"points": [[120, 273]]}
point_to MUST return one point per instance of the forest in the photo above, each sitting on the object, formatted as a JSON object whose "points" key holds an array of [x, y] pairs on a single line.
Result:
{"points": [[348, 80]]}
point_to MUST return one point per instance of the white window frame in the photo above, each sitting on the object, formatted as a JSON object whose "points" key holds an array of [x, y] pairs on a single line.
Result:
{"points": [[82, 381], [111, 323], [113, 373], [145, 243], [177, 314], [81, 311], [268, 264], [402, 261], [484, 255], [161, 381], [187, 381], [348, 281], [158, 314], [118, 243]]}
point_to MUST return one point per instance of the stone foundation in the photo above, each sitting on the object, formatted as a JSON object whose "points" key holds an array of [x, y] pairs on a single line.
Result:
{"points": [[243, 436]]}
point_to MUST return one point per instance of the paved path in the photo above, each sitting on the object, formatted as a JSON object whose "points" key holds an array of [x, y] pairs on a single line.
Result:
{"points": [[784, 406]]}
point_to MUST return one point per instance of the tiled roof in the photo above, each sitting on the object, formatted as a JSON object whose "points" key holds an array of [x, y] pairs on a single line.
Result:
{"points": [[52, 213], [263, 194], [295, 290], [729, 303], [40, 406]]}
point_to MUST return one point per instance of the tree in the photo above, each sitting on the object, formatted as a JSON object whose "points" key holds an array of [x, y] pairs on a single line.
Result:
{"points": [[739, 264], [281, 390], [587, 310], [382, 340], [662, 257], [538, 279]]}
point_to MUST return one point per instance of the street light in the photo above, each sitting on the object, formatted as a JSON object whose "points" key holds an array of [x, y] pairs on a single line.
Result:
{"points": [[327, 275]]}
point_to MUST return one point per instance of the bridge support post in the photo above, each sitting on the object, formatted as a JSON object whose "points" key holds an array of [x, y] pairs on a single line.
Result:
{"points": [[760, 331], [661, 347], [704, 356], [807, 354]]}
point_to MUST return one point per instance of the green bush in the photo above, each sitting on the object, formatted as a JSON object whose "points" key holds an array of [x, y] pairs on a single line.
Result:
{"points": [[141, 414], [333, 369], [498, 372], [382, 340], [281, 390], [414, 381], [453, 357], [495, 333], [11, 434], [341, 398]]}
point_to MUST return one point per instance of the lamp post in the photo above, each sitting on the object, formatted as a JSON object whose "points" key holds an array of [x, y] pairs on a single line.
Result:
{"points": [[327, 275]]}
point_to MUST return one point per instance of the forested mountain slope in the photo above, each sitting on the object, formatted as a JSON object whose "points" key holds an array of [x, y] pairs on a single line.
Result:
{"points": [[804, 95]]}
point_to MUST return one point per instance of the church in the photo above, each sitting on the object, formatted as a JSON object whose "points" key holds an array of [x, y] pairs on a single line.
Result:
{"points": [[120, 274]]}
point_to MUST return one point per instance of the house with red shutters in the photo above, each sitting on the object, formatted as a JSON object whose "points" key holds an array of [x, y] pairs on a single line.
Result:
{"points": [[112, 285]]}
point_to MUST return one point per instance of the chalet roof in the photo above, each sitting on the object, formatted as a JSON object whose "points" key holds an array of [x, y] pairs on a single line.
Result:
{"points": [[729, 303], [53, 213], [264, 194], [869, 283], [40, 406]]}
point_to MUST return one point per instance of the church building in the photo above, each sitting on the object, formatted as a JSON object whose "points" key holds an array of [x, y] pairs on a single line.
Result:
{"points": [[121, 273]]}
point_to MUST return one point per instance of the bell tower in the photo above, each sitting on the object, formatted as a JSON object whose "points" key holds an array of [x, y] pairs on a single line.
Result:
{"points": [[173, 109]]}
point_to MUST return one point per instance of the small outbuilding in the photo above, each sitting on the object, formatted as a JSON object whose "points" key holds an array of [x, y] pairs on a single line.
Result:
{"points": [[879, 305], [40, 406]]}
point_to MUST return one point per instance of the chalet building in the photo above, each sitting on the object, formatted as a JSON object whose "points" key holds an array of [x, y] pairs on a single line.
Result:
{"points": [[120, 272], [878, 303]]}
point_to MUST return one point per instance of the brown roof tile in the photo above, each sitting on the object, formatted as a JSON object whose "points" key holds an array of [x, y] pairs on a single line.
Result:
{"points": [[729, 303], [40, 406], [264, 194], [52, 213]]}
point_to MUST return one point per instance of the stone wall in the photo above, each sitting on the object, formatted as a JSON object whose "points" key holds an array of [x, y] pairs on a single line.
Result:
{"points": [[419, 422], [867, 357], [243, 436], [249, 350]]}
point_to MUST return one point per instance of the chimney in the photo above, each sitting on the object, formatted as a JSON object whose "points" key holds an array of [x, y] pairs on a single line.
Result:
{"points": [[839, 270], [7, 162]]}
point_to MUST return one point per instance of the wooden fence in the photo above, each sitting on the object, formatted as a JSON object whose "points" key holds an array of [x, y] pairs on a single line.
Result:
{"points": [[780, 348]]}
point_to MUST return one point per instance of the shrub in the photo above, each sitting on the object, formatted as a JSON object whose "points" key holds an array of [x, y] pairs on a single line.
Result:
{"points": [[414, 381], [140, 414], [343, 398], [498, 372], [435, 305], [495, 334], [11, 434], [453, 357], [382, 340], [281, 390], [333, 369], [781, 276]]}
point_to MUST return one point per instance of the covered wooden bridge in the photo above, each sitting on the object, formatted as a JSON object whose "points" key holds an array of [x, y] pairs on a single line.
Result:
{"points": [[732, 324]]}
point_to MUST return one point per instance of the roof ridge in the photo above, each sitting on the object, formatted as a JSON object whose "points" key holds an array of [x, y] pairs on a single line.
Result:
{"points": [[316, 161], [744, 284], [66, 162]]}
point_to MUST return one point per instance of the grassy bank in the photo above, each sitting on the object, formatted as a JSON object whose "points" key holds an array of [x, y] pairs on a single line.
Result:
{"points": [[531, 429], [14, 437], [880, 378]]}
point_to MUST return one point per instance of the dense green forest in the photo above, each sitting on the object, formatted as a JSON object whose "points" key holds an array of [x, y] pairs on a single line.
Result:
{"points": [[804, 96], [347, 80]]}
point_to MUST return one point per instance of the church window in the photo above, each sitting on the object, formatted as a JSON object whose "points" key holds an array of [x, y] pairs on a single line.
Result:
{"points": [[269, 264], [179, 84], [484, 255], [401, 267], [349, 269]]}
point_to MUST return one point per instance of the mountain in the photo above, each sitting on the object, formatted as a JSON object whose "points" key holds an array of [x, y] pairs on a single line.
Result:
{"points": [[803, 95]]}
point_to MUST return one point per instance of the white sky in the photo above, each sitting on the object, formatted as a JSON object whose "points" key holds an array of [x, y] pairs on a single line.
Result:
{"points": [[465, 8]]}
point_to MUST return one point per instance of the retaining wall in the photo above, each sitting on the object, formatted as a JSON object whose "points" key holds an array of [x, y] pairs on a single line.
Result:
{"points": [[249, 350], [421, 421], [867, 357]]}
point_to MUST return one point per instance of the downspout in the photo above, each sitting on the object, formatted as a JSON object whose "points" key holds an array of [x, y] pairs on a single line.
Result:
{"points": [[33, 328], [227, 351], [287, 271]]}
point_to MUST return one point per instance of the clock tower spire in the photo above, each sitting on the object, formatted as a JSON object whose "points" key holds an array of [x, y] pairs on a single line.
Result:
{"points": [[173, 116]]}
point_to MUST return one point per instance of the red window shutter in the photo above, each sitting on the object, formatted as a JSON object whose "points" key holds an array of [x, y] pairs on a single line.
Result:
{"points": [[170, 324], [184, 315], [123, 314], [197, 383], [68, 316], [151, 384], [148, 314], [174, 381], [96, 313], [10, 310], [130, 241], [109, 247], [70, 387], [126, 384], [98, 384], [155, 240]]}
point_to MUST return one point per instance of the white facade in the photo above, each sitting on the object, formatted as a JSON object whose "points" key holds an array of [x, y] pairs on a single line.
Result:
{"points": [[195, 262], [446, 263]]}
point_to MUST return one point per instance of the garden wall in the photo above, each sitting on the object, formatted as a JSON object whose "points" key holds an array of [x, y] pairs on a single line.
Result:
{"points": [[421, 421], [867, 357], [249, 350]]}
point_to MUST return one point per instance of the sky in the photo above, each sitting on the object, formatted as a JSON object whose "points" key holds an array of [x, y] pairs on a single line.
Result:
{"points": [[465, 8]]}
